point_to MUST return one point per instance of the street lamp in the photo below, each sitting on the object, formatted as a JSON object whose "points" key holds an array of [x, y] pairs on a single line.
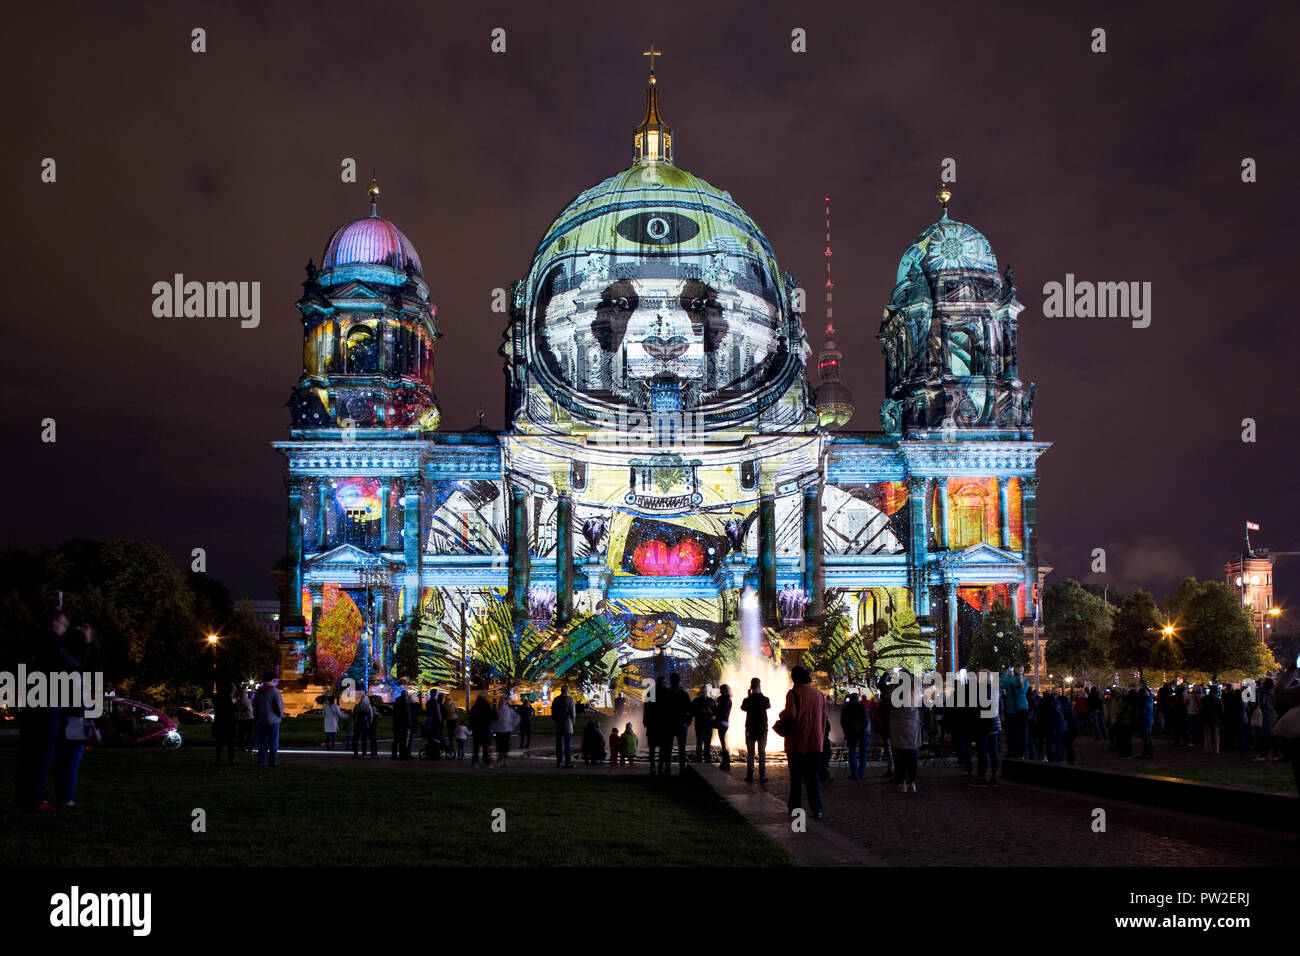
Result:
{"points": [[1273, 612], [212, 643]]}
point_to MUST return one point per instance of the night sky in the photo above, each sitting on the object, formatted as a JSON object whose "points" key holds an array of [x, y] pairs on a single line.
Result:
{"points": [[1122, 166]]}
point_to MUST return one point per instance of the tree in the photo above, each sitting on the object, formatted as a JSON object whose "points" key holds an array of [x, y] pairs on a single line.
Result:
{"points": [[1285, 647], [836, 649], [898, 643], [999, 642], [1213, 632], [1137, 639], [1077, 625], [245, 650], [406, 658]]}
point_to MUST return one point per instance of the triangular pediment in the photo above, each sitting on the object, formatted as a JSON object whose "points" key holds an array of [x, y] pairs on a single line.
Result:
{"points": [[346, 554], [981, 554], [357, 289]]}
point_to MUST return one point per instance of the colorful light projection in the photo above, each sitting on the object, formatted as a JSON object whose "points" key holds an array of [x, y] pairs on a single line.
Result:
{"points": [[974, 515], [360, 496], [338, 635], [983, 597], [660, 549]]}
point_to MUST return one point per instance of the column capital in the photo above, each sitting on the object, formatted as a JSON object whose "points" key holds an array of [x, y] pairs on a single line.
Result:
{"points": [[1029, 486]]}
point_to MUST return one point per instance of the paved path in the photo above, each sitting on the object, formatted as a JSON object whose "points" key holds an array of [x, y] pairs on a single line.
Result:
{"points": [[947, 823]]}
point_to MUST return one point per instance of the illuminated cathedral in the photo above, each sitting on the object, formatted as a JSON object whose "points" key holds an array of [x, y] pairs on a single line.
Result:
{"points": [[667, 465]]}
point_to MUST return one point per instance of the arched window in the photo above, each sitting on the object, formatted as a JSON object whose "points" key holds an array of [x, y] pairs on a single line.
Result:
{"points": [[363, 350]]}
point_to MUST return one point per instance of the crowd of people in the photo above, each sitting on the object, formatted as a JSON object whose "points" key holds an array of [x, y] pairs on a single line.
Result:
{"points": [[1022, 724]]}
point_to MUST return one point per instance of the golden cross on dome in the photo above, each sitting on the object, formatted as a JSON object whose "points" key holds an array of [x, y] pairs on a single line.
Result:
{"points": [[652, 53]]}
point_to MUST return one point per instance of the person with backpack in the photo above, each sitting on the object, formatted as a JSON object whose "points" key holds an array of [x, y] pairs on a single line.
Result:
{"points": [[802, 722]]}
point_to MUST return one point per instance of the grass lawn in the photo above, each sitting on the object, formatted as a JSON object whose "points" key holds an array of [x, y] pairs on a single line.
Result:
{"points": [[1261, 776], [135, 809]]}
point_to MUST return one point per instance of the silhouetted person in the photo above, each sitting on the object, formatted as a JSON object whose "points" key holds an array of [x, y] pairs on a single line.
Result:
{"points": [[678, 714], [804, 722], [702, 713], [755, 707], [480, 729], [564, 713], [223, 721]]}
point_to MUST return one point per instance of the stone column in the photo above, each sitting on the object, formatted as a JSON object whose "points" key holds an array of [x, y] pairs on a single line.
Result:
{"points": [[381, 649], [317, 591], [563, 558], [767, 555], [812, 550], [293, 579], [322, 514], [411, 545], [385, 488], [950, 600], [519, 558], [918, 550], [943, 533], [1004, 513], [1029, 514]]}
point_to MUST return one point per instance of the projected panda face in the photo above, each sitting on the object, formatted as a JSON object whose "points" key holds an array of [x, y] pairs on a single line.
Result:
{"points": [[639, 329]]}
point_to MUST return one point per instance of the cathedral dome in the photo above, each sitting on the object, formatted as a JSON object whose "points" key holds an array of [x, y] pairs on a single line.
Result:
{"points": [[945, 245], [657, 211], [655, 275], [654, 290], [371, 240]]}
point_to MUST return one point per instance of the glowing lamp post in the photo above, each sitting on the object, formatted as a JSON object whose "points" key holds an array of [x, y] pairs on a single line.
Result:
{"points": [[212, 643]]}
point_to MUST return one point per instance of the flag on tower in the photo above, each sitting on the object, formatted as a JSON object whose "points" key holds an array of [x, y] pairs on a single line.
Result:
{"points": [[1251, 526]]}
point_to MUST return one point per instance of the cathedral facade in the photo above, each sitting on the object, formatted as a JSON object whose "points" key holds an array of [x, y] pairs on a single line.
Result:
{"points": [[670, 488]]}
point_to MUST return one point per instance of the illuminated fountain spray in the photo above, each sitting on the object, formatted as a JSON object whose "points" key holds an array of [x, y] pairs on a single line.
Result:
{"points": [[753, 663]]}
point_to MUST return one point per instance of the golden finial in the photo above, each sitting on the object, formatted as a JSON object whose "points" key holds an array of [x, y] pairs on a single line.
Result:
{"points": [[373, 189], [943, 195]]}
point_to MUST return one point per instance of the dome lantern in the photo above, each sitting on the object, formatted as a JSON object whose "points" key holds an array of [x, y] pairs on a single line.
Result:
{"points": [[653, 139]]}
